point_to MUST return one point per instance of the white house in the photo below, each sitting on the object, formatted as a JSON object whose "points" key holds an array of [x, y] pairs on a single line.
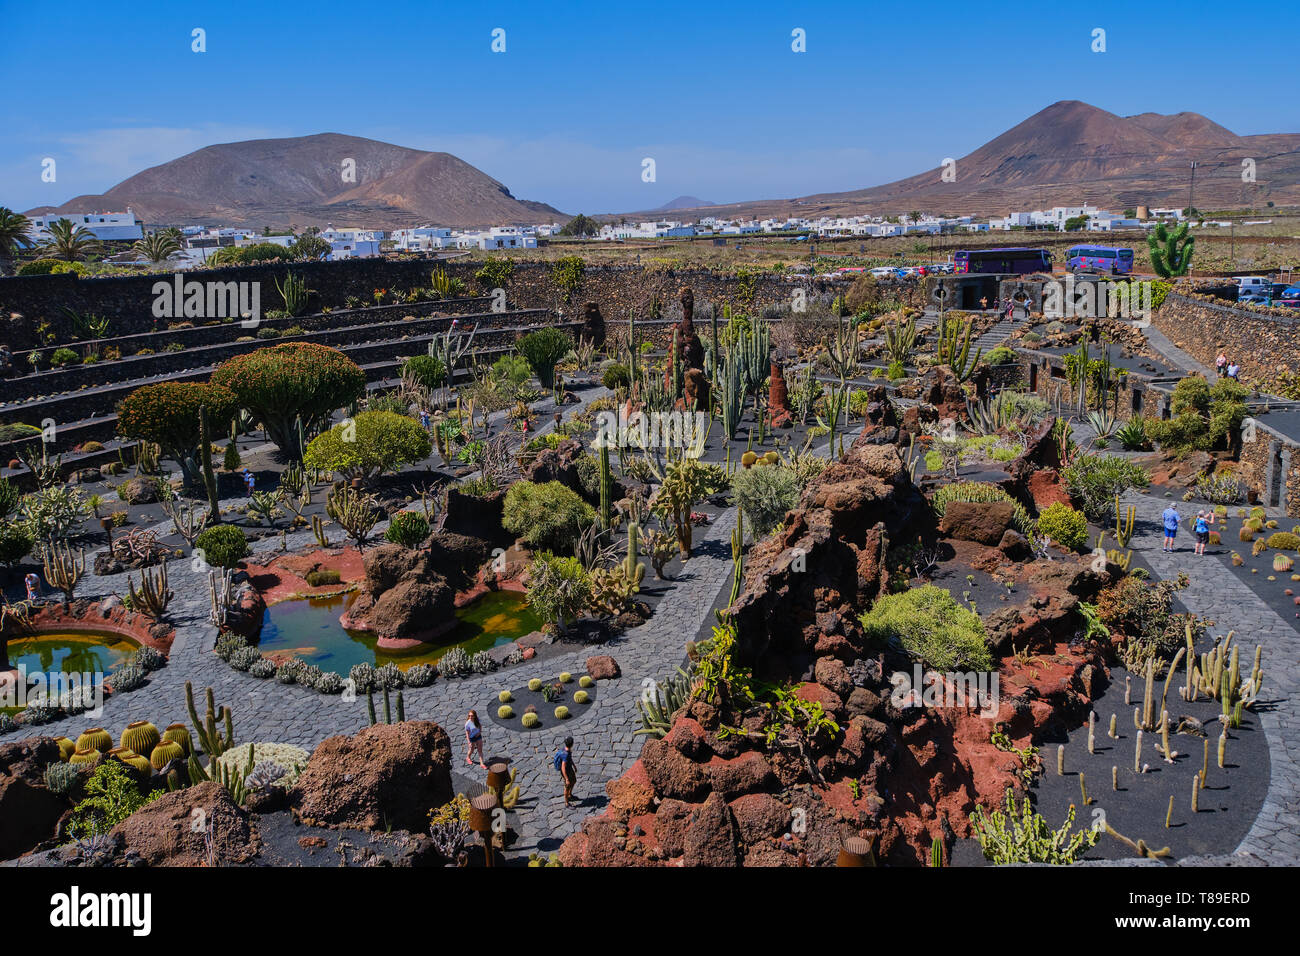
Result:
{"points": [[102, 225], [423, 239]]}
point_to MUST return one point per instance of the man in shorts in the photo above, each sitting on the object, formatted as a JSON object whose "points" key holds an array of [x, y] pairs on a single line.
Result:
{"points": [[1170, 518]]}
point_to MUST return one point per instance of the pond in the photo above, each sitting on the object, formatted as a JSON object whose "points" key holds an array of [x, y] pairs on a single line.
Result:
{"points": [[310, 630], [71, 652]]}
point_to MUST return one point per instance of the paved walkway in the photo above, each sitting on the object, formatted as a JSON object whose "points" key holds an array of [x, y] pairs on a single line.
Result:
{"points": [[1217, 594], [265, 710]]}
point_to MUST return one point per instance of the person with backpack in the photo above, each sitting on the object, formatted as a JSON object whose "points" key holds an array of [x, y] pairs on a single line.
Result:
{"points": [[567, 769], [1170, 517], [1202, 529]]}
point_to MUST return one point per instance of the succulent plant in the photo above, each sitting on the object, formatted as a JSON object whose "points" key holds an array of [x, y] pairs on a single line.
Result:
{"points": [[561, 712], [165, 753], [505, 711], [535, 685], [565, 677], [180, 734], [581, 697], [531, 719], [67, 747], [140, 737], [505, 697], [585, 681], [454, 663], [60, 778], [421, 675]]}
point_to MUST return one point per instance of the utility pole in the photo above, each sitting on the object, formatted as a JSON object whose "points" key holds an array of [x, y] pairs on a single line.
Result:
{"points": [[1191, 188]]}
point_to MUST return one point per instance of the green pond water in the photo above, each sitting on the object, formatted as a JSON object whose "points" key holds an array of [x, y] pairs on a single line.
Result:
{"points": [[70, 652], [310, 630]]}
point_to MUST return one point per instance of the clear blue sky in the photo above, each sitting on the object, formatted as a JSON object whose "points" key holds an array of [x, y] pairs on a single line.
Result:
{"points": [[585, 91]]}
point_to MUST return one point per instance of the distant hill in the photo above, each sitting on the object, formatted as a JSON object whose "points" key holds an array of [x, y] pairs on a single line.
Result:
{"points": [[684, 202], [299, 182], [1070, 153]]}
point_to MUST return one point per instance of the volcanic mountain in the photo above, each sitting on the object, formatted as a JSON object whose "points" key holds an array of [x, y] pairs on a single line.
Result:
{"points": [[307, 180], [1071, 153]]}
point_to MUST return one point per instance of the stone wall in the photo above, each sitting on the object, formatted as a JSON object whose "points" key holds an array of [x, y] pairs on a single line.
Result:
{"points": [[618, 290], [1043, 373], [1263, 341], [1270, 465]]}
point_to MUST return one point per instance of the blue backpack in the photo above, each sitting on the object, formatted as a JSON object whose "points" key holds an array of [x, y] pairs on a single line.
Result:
{"points": [[561, 757]]}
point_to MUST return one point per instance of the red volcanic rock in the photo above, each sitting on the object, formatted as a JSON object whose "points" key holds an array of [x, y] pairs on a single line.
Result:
{"points": [[695, 390], [597, 845], [759, 816], [983, 522], [602, 667], [388, 775], [1015, 546], [631, 793], [778, 398], [748, 773], [162, 832], [1046, 488], [833, 675], [29, 810], [404, 611], [817, 694], [671, 821], [711, 838], [672, 774], [689, 739]]}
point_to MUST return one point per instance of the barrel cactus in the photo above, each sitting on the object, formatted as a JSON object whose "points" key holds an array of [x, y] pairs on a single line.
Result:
{"points": [[179, 734], [140, 737], [1282, 562], [96, 738], [165, 753]]}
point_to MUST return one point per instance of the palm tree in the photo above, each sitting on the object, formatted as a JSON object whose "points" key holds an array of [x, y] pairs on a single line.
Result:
{"points": [[157, 246], [69, 242], [13, 236]]}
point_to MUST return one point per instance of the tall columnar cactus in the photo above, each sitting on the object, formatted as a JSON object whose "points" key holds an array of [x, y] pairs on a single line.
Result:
{"points": [[606, 486], [1171, 252], [1124, 521], [205, 462], [214, 743], [154, 595], [713, 350], [633, 569], [952, 348], [731, 397], [450, 347]]}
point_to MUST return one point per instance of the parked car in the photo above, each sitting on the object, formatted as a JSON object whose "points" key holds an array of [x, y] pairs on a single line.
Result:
{"points": [[884, 272], [1289, 297], [941, 268], [1253, 298], [1251, 285]]}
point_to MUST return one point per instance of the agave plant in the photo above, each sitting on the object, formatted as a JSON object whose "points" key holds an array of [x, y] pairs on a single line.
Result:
{"points": [[1132, 434], [1103, 423]]}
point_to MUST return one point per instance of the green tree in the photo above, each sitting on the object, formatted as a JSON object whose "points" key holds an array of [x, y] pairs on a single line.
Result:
{"points": [[1171, 252], [580, 225], [69, 242], [1075, 223], [543, 349], [157, 246], [167, 413], [310, 246], [14, 236], [494, 274], [292, 384]]}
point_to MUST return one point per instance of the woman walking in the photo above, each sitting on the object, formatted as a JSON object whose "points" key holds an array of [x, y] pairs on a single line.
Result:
{"points": [[474, 739]]}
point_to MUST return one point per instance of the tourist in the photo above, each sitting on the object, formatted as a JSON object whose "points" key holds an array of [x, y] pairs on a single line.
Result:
{"points": [[568, 771], [474, 739], [32, 581], [1170, 517], [1202, 529], [1233, 370], [1220, 363], [249, 480]]}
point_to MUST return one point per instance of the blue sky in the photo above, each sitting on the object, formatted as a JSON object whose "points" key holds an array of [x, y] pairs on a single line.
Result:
{"points": [[585, 91]]}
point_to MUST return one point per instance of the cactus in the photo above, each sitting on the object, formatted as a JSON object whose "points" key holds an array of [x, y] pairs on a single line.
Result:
{"points": [[205, 463], [1083, 790], [1092, 731], [1205, 762], [1060, 760], [1282, 562], [936, 852], [1123, 560], [1148, 701], [1113, 733], [153, 596], [213, 742], [1114, 777], [1171, 252], [221, 594], [731, 397], [1137, 753], [318, 529], [63, 569], [370, 705], [1124, 523], [952, 348], [606, 487], [450, 347], [1169, 814], [1223, 745]]}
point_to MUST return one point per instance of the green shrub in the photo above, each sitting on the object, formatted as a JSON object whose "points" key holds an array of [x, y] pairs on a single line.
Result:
{"points": [[425, 370], [408, 528], [1204, 416], [1001, 355], [15, 543], [369, 444], [112, 795], [222, 546], [1063, 525], [39, 267], [543, 349], [930, 624], [616, 376], [765, 493], [322, 577], [547, 516], [62, 357], [558, 588], [1095, 480]]}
